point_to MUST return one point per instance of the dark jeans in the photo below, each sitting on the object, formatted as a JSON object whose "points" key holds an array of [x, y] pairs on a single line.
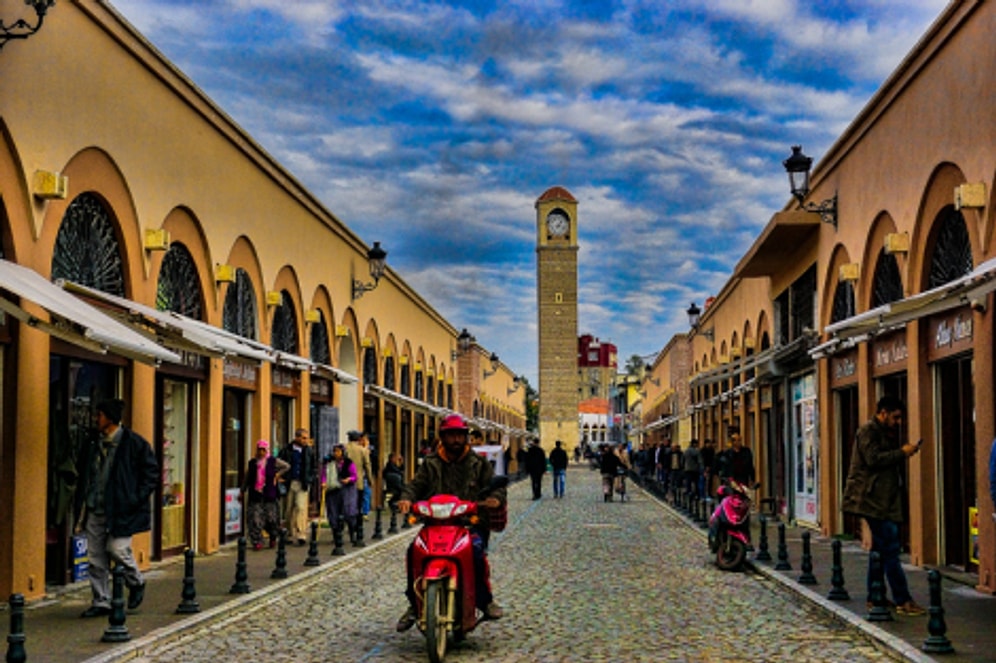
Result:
{"points": [[885, 541], [537, 485]]}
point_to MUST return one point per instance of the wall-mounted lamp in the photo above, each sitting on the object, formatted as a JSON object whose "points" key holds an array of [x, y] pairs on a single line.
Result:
{"points": [[312, 315], [650, 378], [694, 313], [463, 344], [274, 298], [21, 29], [377, 257], [517, 381], [797, 166], [156, 239], [224, 274], [494, 366]]}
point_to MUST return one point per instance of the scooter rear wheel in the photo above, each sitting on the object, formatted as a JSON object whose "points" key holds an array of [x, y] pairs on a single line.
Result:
{"points": [[731, 554], [436, 619]]}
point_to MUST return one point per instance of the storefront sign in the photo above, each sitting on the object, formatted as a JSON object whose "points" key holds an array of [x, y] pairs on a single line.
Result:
{"points": [[950, 334], [889, 354], [241, 373], [233, 511], [321, 388], [844, 367]]}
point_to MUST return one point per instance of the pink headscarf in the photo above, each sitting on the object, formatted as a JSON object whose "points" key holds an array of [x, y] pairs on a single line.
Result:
{"points": [[261, 465]]}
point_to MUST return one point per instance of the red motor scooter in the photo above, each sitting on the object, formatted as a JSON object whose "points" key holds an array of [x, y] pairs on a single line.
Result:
{"points": [[442, 565], [729, 526]]}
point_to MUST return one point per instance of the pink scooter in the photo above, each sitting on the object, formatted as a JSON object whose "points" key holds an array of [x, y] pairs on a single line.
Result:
{"points": [[729, 526]]}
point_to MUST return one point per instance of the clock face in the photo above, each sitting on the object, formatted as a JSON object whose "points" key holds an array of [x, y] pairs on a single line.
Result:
{"points": [[557, 223]]}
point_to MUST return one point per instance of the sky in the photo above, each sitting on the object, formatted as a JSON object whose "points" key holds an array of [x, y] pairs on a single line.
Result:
{"points": [[433, 127]]}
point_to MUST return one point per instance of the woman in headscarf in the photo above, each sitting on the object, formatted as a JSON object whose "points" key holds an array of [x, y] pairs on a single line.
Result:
{"points": [[341, 495], [260, 487]]}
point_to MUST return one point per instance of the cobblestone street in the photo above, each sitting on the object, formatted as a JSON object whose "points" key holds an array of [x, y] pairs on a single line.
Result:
{"points": [[580, 580]]}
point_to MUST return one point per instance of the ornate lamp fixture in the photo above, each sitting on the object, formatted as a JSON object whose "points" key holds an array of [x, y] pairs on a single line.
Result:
{"points": [[494, 366], [21, 29], [517, 381], [797, 166], [377, 257], [694, 312]]}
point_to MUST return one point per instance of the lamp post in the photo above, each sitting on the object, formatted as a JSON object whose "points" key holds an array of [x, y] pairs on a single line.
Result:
{"points": [[377, 258], [797, 166], [20, 28], [494, 366], [694, 314]]}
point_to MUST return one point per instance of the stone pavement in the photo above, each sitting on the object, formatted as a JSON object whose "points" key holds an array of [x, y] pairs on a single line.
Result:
{"points": [[580, 580]]}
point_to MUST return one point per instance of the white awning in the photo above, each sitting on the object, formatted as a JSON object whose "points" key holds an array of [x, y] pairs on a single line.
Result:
{"points": [[333, 373], [73, 320], [174, 330], [972, 287], [402, 400]]}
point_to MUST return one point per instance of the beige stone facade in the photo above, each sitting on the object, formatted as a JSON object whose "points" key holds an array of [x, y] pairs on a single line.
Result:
{"points": [[896, 298]]}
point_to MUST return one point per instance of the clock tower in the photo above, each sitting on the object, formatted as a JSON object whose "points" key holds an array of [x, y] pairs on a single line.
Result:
{"points": [[557, 303]]}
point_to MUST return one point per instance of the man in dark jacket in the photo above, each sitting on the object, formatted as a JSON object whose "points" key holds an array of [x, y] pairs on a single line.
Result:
{"points": [[874, 492], [300, 456], [558, 461], [536, 467], [119, 473], [394, 478]]}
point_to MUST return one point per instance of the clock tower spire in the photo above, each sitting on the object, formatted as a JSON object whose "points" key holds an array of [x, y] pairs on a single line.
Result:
{"points": [[557, 303]]}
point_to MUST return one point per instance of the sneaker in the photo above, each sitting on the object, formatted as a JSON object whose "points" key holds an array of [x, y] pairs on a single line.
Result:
{"points": [[910, 609], [95, 611], [135, 596], [493, 611], [407, 620], [888, 604]]}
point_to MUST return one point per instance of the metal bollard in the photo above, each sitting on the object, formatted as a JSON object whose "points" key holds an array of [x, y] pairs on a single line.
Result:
{"points": [[763, 555], [876, 591], [15, 641], [337, 548], [312, 559], [358, 541], [938, 642], [837, 592], [188, 605], [241, 585], [393, 523], [116, 630], [378, 528], [783, 553], [280, 568], [807, 577], [704, 520]]}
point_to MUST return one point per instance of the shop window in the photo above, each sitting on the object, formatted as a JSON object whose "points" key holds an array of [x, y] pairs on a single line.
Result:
{"points": [[887, 285], [320, 342], [284, 331], [952, 254], [178, 288], [843, 302], [795, 308], [239, 312], [389, 372], [86, 249]]}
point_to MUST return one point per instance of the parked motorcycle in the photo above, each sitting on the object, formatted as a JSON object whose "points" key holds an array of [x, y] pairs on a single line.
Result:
{"points": [[729, 526], [442, 560]]}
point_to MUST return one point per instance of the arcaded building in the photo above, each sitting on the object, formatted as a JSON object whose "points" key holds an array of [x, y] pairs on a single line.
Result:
{"points": [[151, 250], [877, 280]]}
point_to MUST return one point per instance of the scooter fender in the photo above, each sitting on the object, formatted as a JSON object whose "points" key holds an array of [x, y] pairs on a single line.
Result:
{"points": [[739, 534], [440, 569]]}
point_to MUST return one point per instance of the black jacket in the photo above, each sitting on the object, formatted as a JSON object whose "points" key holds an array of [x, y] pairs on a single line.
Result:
{"points": [[535, 460], [131, 481], [558, 459], [309, 465]]}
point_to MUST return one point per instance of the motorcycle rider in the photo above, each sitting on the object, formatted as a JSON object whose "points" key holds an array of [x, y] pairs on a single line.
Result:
{"points": [[454, 469]]}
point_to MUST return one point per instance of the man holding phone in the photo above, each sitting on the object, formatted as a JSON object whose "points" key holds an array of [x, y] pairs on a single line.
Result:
{"points": [[874, 492]]}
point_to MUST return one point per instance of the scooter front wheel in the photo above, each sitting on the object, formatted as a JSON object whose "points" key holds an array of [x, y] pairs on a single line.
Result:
{"points": [[731, 554], [436, 619]]}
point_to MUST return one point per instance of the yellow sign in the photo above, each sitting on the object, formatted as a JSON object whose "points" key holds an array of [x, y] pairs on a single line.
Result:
{"points": [[973, 534]]}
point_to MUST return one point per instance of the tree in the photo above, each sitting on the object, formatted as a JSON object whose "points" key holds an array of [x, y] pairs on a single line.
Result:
{"points": [[635, 366]]}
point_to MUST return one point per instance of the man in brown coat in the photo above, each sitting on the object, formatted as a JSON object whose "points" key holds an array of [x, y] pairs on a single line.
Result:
{"points": [[874, 492]]}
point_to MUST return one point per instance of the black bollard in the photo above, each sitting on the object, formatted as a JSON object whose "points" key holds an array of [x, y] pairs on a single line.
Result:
{"points": [[312, 559], [280, 567], [15, 641], [378, 527], [358, 541], [807, 577], [783, 553], [879, 611], [763, 555], [116, 630], [404, 523], [938, 642], [704, 520], [337, 548], [392, 527], [188, 605], [241, 585], [837, 592]]}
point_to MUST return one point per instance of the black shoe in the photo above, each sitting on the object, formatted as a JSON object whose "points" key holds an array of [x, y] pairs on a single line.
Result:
{"points": [[135, 596], [407, 620], [95, 611]]}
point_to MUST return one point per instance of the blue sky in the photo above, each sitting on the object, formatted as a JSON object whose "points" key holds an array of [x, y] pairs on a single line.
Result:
{"points": [[433, 127]]}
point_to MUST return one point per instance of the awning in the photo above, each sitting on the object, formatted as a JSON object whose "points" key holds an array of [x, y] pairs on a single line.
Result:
{"points": [[333, 373], [402, 400], [786, 232], [75, 321], [174, 330], [972, 287]]}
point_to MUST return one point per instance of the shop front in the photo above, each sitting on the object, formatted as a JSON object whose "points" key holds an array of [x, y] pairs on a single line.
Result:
{"points": [[845, 418]]}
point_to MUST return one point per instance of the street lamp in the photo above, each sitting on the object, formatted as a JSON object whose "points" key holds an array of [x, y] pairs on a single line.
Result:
{"points": [[694, 313], [517, 381], [21, 29], [494, 366], [648, 377], [464, 339], [377, 257], [797, 166]]}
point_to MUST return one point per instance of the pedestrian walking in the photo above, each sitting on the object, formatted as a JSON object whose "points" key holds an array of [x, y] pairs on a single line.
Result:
{"points": [[691, 465], [708, 456], [624, 467], [394, 478], [358, 451], [300, 457], [609, 465], [874, 492], [120, 473], [536, 467], [262, 495], [558, 462], [341, 494]]}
